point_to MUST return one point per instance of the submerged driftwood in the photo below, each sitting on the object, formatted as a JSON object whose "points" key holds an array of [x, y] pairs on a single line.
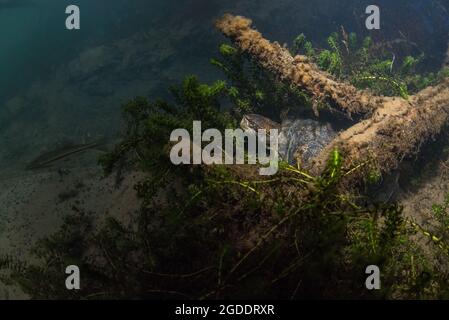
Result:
{"points": [[393, 127]]}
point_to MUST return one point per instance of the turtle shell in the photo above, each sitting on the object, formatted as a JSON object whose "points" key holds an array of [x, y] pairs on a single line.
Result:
{"points": [[302, 139]]}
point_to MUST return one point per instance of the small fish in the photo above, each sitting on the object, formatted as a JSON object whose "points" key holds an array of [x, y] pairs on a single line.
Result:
{"points": [[49, 158]]}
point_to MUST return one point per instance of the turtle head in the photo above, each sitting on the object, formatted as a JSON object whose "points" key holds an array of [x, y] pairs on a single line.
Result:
{"points": [[256, 122]]}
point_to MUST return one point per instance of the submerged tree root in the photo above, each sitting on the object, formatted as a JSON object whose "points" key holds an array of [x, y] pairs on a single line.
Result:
{"points": [[396, 127]]}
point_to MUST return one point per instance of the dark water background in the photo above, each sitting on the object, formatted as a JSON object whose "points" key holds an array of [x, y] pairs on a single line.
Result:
{"points": [[57, 84]]}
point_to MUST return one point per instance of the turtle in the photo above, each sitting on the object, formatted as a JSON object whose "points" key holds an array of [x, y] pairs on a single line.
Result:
{"points": [[299, 139], [302, 139]]}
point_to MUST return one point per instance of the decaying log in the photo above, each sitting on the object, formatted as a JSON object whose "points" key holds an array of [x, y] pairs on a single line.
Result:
{"points": [[396, 127]]}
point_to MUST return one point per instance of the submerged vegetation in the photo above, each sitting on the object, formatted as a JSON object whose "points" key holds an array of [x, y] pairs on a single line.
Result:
{"points": [[366, 64], [212, 232]]}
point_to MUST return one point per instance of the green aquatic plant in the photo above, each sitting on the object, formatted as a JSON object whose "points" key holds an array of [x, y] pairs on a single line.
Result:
{"points": [[388, 234], [207, 232], [336, 62], [434, 279], [373, 175], [359, 61], [365, 66], [438, 230], [148, 124], [400, 88], [410, 63], [298, 43], [221, 235], [302, 46], [254, 90]]}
